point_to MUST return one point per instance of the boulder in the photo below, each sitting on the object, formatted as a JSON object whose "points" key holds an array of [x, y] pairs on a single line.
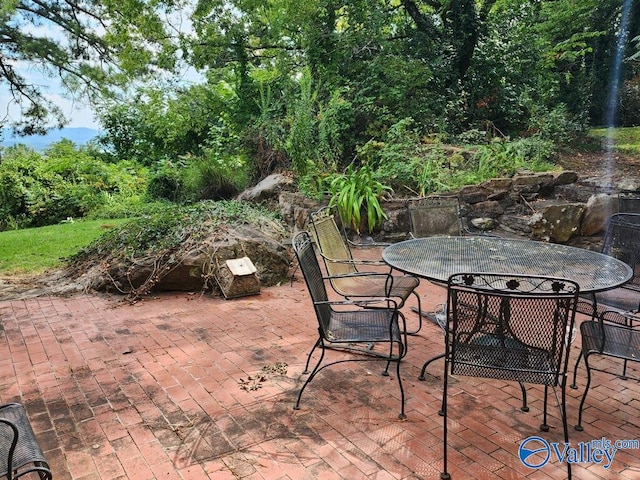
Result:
{"points": [[295, 208], [269, 188], [556, 222], [566, 178], [597, 210]]}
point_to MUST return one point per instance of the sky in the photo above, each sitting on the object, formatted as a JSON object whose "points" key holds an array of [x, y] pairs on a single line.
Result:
{"points": [[78, 114]]}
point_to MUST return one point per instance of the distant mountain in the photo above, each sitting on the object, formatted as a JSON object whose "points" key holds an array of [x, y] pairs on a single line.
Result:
{"points": [[79, 136]]}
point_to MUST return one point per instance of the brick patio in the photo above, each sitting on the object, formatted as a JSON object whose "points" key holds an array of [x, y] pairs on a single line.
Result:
{"points": [[169, 388]]}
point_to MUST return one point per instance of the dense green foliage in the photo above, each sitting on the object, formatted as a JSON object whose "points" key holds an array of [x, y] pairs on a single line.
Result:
{"points": [[359, 98], [62, 183], [315, 86]]}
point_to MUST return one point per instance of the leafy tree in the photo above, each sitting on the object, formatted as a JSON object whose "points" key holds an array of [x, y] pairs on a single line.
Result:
{"points": [[161, 123], [580, 43], [90, 45]]}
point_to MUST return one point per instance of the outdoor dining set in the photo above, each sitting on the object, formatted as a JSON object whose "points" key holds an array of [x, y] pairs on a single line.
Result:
{"points": [[511, 310], [508, 310]]}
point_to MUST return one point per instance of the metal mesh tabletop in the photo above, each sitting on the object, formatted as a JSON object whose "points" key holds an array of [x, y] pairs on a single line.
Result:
{"points": [[436, 258]]}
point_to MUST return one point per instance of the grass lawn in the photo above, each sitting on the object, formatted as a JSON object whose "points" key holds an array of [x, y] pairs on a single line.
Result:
{"points": [[35, 250], [625, 139]]}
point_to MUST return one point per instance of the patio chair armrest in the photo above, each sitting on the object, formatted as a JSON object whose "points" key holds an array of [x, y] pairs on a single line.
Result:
{"points": [[370, 262], [390, 303], [379, 302], [352, 261], [625, 319], [366, 244], [360, 274]]}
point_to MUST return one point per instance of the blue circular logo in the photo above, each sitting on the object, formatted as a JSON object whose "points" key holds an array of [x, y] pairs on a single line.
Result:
{"points": [[534, 452]]}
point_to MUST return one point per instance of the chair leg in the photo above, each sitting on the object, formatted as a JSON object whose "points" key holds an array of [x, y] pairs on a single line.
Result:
{"points": [[419, 312], [402, 415], [426, 364], [575, 371], [385, 373], [306, 367], [565, 426], [444, 475], [544, 426], [311, 375], [578, 426], [525, 407], [624, 371]]}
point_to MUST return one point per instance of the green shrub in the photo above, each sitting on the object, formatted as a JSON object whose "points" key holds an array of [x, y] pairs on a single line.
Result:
{"points": [[42, 189], [116, 206], [556, 125], [212, 179], [165, 182]]}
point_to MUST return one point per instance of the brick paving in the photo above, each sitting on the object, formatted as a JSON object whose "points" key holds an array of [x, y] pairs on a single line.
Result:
{"points": [[190, 386]]}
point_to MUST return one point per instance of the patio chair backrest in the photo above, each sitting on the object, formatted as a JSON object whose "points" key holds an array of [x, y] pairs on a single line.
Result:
{"points": [[629, 202], [622, 241], [510, 327], [439, 215], [303, 248], [335, 250], [513, 328]]}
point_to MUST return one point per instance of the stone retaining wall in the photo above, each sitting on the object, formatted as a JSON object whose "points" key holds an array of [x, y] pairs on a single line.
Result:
{"points": [[549, 206]]}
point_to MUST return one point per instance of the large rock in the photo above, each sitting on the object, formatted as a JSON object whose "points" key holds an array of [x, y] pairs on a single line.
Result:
{"points": [[270, 257], [295, 209], [597, 210], [269, 188], [556, 222]]}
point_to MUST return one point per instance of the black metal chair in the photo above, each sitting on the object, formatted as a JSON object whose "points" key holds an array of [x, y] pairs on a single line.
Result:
{"points": [[343, 324], [629, 202], [509, 327], [20, 453], [622, 241], [345, 277], [438, 215], [614, 334]]}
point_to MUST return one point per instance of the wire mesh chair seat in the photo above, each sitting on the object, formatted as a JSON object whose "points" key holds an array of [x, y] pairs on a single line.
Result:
{"points": [[512, 328], [613, 334], [20, 453], [486, 357], [346, 278], [343, 324]]}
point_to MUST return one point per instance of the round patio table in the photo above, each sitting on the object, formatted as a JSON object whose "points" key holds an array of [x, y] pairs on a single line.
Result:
{"points": [[437, 258]]}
